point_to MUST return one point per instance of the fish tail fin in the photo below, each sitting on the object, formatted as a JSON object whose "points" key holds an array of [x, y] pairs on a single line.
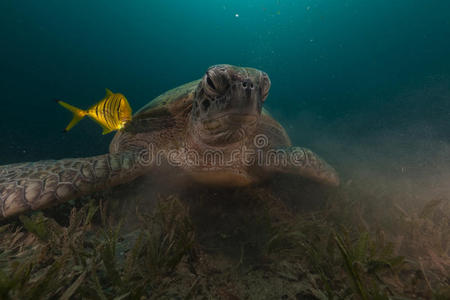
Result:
{"points": [[78, 114]]}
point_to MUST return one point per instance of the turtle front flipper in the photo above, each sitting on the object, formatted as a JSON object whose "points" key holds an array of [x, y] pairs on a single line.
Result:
{"points": [[300, 161], [32, 186]]}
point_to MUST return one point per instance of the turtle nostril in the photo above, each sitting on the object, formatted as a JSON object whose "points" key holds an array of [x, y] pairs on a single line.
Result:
{"points": [[205, 104], [251, 86], [244, 84]]}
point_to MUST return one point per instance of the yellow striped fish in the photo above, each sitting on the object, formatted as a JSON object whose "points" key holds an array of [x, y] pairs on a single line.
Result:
{"points": [[112, 112]]}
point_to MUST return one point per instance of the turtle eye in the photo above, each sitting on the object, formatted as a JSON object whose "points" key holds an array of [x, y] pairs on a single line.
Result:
{"points": [[210, 82], [265, 87]]}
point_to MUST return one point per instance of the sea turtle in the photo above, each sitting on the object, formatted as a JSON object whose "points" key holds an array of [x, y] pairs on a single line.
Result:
{"points": [[213, 131]]}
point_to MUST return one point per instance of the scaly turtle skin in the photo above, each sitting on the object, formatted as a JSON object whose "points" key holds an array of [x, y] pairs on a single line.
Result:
{"points": [[213, 131]]}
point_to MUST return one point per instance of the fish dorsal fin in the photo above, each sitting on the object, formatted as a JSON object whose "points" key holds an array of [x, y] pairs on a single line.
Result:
{"points": [[108, 93]]}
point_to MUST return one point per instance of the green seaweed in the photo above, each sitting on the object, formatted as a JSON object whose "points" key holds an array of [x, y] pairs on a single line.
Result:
{"points": [[330, 253]]}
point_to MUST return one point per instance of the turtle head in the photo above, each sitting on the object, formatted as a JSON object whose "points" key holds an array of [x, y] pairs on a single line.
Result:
{"points": [[228, 103]]}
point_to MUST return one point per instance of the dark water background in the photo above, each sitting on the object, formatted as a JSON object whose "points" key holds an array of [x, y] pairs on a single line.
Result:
{"points": [[366, 84]]}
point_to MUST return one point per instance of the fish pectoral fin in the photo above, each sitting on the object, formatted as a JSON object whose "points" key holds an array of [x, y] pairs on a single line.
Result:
{"points": [[106, 130]]}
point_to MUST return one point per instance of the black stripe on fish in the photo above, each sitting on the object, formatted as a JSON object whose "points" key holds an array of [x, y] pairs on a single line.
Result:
{"points": [[118, 110], [108, 112], [105, 118], [96, 110], [112, 111], [111, 104]]}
